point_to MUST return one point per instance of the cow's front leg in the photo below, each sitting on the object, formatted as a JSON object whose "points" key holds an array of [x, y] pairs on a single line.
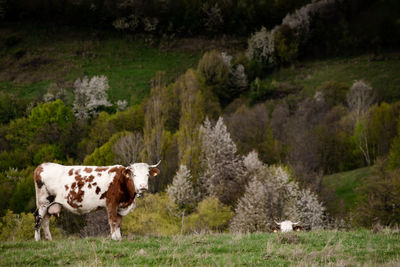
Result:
{"points": [[114, 219]]}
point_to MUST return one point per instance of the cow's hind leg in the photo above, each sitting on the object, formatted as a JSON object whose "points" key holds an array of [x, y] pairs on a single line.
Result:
{"points": [[42, 203], [46, 226]]}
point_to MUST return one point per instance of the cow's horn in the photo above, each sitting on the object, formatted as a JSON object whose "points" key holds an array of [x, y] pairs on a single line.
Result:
{"points": [[277, 223], [155, 165]]}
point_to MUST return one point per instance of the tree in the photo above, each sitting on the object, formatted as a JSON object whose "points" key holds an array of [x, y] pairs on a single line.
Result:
{"points": [[90, 96], [181, 190], [197, 101], [128, 148], [379, 197], [359, 98], [223, 175], [273, 195]]}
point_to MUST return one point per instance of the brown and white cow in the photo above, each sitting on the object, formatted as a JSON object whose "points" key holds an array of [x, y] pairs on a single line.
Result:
{"points": [[82, 189]]}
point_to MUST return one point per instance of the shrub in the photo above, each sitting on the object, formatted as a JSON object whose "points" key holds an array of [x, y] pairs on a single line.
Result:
{"points": [[105, 154], [379, 198], [213, 68], [334, 92], [90, 96], [273, 195], [19, 227], [211, 215], [181, 190], [286, 47], [47, 153], [261, 47], [154, 215]]}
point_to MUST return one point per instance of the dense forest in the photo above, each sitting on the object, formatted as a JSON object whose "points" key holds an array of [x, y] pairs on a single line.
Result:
{"points": [[256, 109]]}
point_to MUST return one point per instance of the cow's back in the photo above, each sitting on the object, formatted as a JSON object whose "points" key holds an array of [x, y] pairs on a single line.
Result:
{"points": [[79, 189]]}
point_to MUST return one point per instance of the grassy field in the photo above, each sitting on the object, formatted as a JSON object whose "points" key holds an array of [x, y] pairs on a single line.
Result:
{"points": [[345, 185], [382, 74], [317, 248], [32, 59]]}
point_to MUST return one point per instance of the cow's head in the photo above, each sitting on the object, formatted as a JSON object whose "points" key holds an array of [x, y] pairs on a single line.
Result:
{"points": [[286, 226], [140, 173]]}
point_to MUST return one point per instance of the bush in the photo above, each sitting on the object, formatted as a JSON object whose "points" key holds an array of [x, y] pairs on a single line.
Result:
{"points": [[20, 227], [211, 215], [105, 154], [379, 198], [213, 68], [154, 215]]}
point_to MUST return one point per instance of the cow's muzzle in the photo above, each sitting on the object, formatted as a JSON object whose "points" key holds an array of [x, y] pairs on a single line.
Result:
{"points": [[141, 192]]}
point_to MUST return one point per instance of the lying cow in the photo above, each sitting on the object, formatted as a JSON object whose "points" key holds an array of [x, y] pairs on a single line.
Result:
{"points": [[82, 189], [288, 226]]}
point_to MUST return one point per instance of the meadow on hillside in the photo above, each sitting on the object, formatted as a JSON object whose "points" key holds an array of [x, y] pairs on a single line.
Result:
{"points": [[317, 248]]}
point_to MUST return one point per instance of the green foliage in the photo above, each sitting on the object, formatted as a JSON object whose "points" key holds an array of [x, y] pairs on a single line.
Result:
{"points": [[19, 227], [334, 92], [394, 153], [104, 155], [340, 190], [380, 198], [383, 127], [211, 215], [154, 215], [197, 102], [286, 47], [11, 107], [48, 153], [23, 197], [48, 123], [213, 68]]}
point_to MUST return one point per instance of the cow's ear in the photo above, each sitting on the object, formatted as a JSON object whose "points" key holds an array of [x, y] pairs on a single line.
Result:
{"points": [[127, 173], [154, 172]]}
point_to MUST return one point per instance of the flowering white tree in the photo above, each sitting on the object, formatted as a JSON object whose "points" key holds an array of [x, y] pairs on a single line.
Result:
{"points": [[181, 190], [273, 195], [223, 175], [90, 95], [261, 46]]}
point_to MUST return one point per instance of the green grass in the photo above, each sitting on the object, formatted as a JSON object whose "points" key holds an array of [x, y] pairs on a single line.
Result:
{"points": [[344, 185], [320, 248], [383, 75], [35, 57]]}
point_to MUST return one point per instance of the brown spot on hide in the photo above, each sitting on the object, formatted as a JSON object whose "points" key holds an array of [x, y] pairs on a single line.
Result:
{"points": [[94, 184], [66, 187], [101, 169], [81, 184], [71, 171], [37, 176], [73, 185], [104, 195], [88, 170], [73, 198], [77, 171], [90, 179], [98, 174], [98, 190], [89, 186]]}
